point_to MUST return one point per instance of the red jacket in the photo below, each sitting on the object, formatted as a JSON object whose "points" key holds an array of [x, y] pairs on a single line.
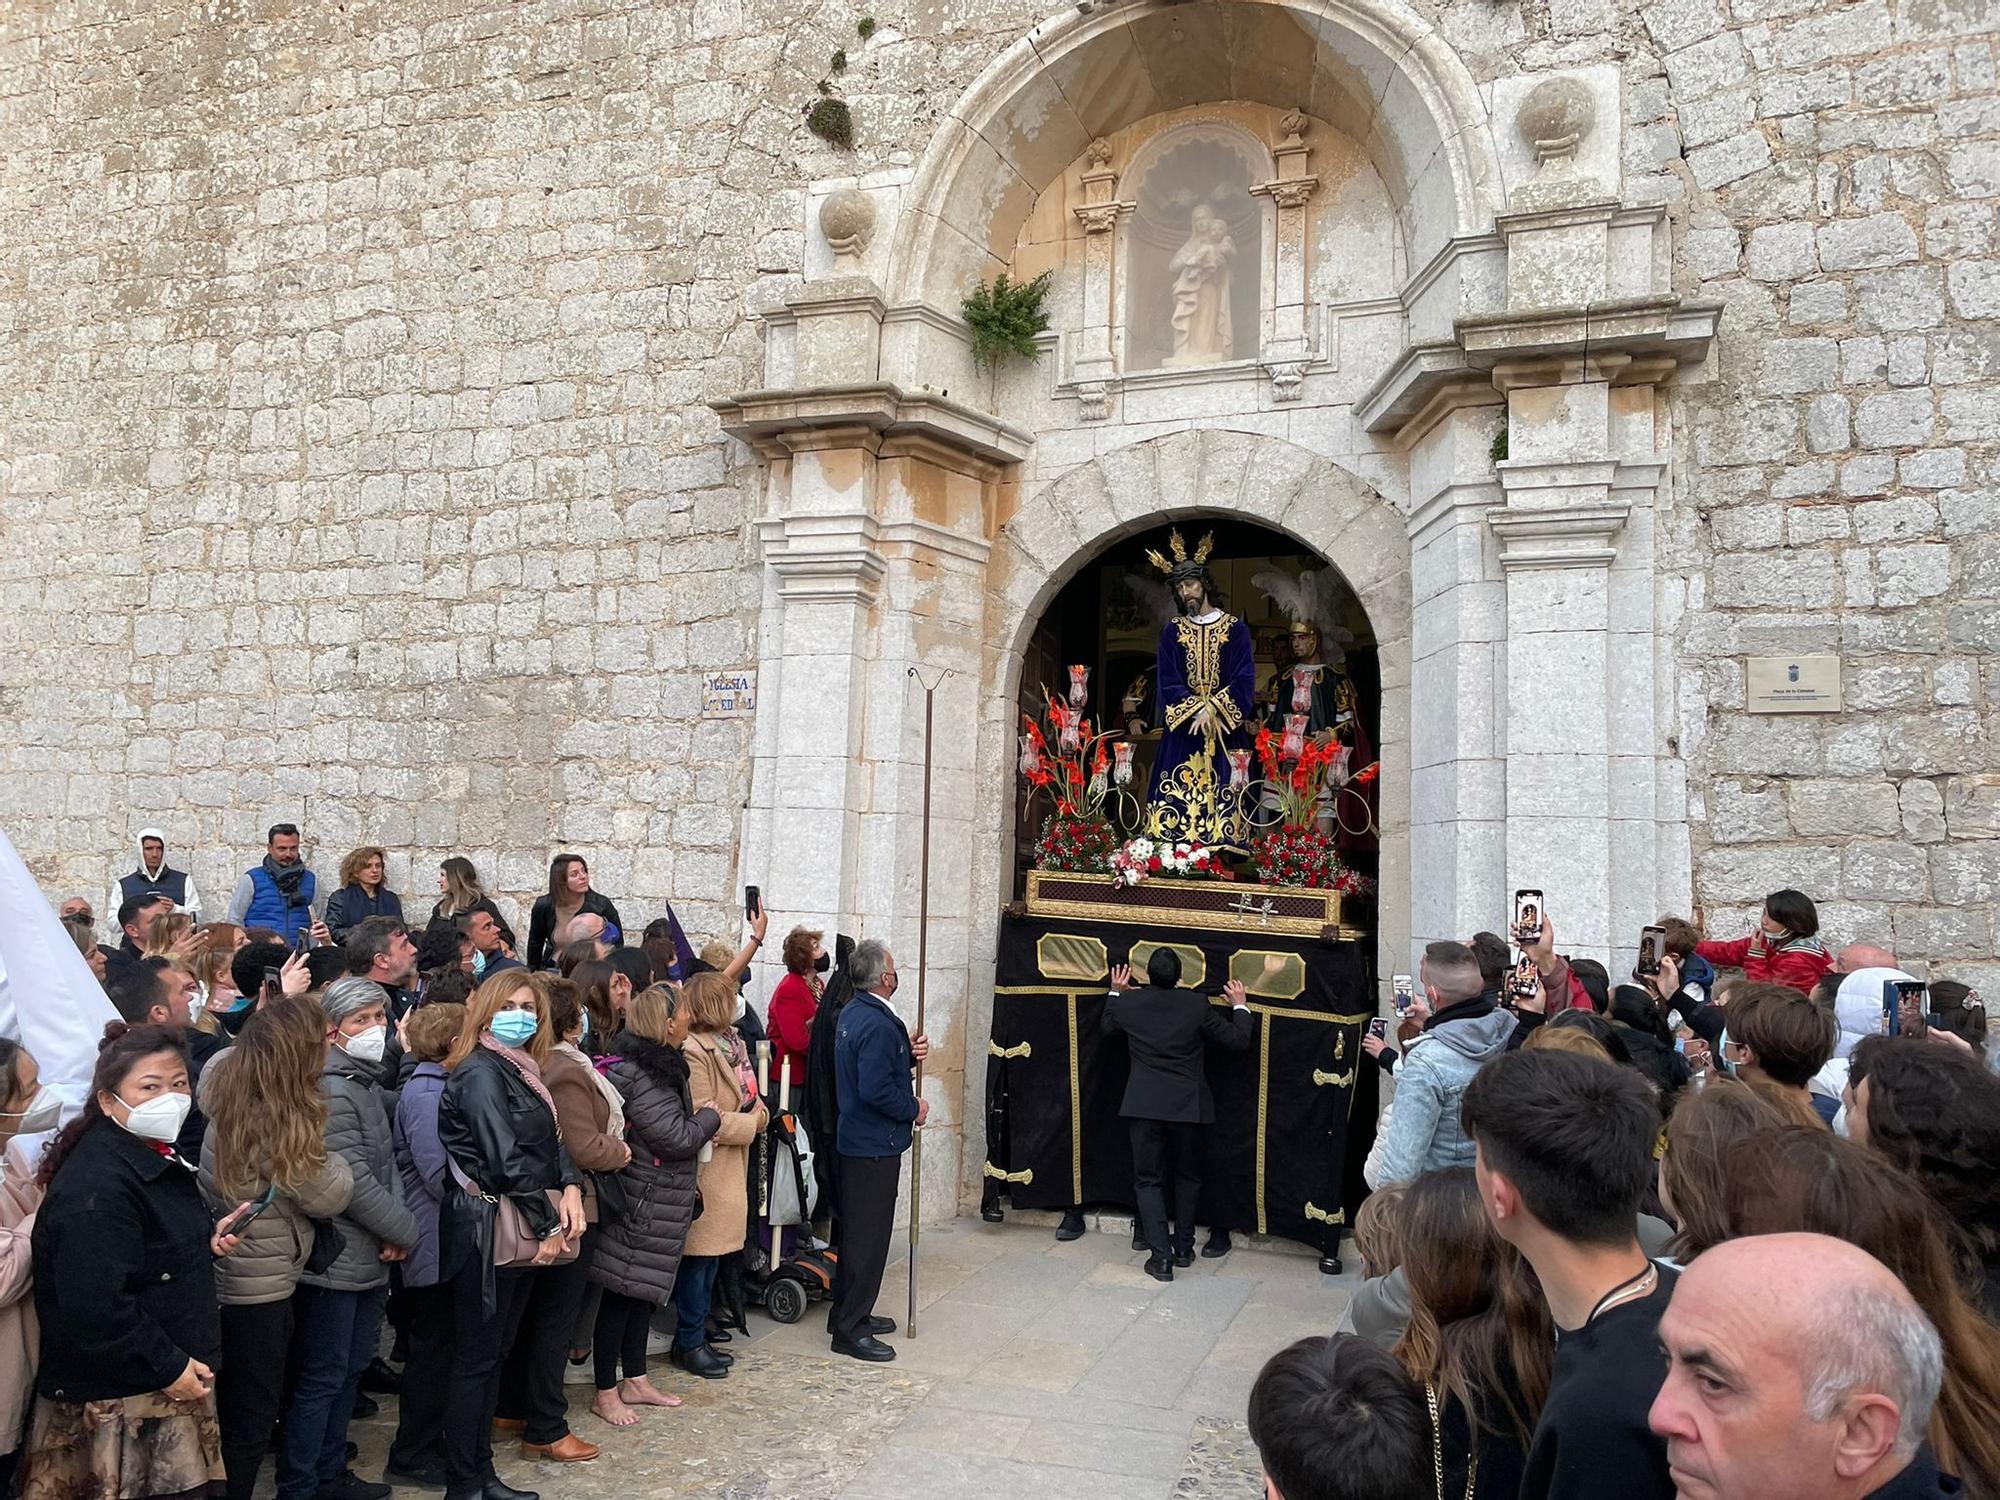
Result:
{"points": [[788, 1020], [1798, 962]]}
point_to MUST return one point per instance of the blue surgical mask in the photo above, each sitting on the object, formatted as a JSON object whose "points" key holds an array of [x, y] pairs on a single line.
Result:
{"points": [[478, 962], [583, 1029], [514, 1027], [1722, 1054]]}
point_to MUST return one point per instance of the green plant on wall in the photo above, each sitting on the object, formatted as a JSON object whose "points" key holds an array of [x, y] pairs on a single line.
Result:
{"points": [[865, 27], [1498, 452], [831, 120], [1006, 317]]}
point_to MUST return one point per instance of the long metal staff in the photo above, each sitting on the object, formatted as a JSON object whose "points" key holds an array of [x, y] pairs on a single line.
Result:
{"points": [[923, 951]]}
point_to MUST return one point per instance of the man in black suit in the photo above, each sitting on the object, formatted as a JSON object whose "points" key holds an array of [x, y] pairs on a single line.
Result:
{"points": [[1167, 1098]]}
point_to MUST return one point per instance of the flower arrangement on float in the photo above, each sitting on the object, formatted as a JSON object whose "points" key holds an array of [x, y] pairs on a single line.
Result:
{"points": [[1297, 769], [1081, 776], [1141, 858]]}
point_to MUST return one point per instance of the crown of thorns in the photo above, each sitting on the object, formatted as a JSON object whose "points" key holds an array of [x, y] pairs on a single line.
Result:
{"points": [[1182, 566]]}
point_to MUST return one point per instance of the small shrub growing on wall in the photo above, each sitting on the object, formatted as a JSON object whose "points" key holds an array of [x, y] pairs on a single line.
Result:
{"points": [[1006, 316], [831, 120]]}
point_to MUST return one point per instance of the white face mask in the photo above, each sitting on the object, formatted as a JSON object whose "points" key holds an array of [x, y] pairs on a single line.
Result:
{"points": [[159, 1118], [42, 1113], [366, 1046], [742, 1005]]}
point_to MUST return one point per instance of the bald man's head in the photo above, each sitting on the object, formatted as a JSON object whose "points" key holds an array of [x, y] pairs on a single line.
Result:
{"points": [[1864, 956], [1799, 1369]]}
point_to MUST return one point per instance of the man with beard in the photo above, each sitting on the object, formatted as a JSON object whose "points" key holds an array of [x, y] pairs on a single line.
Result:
{"points": [[278, 893]]}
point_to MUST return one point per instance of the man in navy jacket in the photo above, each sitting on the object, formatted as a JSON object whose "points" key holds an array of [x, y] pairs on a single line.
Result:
{"points": [[873, 1055]]}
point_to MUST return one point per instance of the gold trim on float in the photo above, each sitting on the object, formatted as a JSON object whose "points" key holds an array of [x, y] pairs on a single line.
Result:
{"points": [[1315, 1214], [1241, 915], [1075, 1112], [1072, 955], [1269, 973], [1263, 1115], [1336, 1080], [1026, 1176], [1194, 963], [1019, 1049]]}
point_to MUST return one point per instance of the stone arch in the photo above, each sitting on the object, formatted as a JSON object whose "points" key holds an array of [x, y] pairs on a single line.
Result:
{"points": [[1374, 69], [1324, 507]]}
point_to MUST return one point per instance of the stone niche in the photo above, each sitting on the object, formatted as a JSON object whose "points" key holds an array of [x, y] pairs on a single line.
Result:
{"points": [[1207, 238]]}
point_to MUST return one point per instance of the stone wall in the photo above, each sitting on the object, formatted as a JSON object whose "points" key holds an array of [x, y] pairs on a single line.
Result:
{"points": [[356, 469]]}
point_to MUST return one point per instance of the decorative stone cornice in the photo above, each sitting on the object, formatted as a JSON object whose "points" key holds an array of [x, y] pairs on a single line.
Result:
{"points": [[824, 558], [762, 418]]}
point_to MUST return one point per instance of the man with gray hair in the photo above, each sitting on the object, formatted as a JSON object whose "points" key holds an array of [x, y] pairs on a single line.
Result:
{"points": [[1799, 1369], [873, 1055]]}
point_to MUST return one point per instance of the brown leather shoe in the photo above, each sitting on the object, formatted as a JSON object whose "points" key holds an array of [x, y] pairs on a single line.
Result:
{"points": [[509, 1424], [568, 1449]]}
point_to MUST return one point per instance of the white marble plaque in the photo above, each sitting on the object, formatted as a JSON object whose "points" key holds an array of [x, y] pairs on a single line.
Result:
{"points": [[729, 695], [1794, 685]]}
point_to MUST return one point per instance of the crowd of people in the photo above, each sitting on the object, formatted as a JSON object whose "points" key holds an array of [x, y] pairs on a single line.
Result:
{"points": [[327, 1155], [1728, 1230]]}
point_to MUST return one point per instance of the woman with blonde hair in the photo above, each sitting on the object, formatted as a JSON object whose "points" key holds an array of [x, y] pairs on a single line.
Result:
{"points": [[497, 1123], [714, 1083], [364, 892], [459, 891], [639, 1253], [266, 1143], [164, 934]]}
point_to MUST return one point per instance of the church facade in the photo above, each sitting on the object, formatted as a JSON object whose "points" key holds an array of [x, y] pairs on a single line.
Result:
{"points": [[439, 428]]}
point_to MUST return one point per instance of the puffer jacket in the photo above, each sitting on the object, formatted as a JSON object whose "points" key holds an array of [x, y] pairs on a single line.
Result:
{"points": [[1423, 1132], [421, 1159], [267, 1265], [639, 1254], [357, 1127]]}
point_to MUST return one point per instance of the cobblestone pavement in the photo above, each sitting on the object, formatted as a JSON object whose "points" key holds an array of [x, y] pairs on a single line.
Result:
{"points": [[1057, 1372]]}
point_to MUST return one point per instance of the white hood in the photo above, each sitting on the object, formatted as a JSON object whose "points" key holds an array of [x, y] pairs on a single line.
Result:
{"points": [[139, 846], [1857, 1006]]}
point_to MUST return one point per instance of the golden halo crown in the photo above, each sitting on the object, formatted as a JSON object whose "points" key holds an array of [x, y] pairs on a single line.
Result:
{"points": [[1178, 547]]}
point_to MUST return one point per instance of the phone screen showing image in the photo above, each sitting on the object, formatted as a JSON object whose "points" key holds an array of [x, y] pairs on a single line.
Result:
{"points": [[1405, 992], [1912, 1000], [1378, 1027], [1527, 981], [1652, 944], [1527, 918]]}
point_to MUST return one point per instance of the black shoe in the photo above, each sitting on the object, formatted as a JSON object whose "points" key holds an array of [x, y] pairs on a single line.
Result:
{"points": [[380, 1379], [353, 1452], [722, 1354], [351, 1486], [866, 1347], [881, 1325], [700, 1360], [1183, 1255], [717, 1334], [430, 1477], [1138, 1238], [365, 1406], [994, 1214], [1071, 1227], [1159, 1268], [497, 1488], [465, 1492], [1218, 1244]]}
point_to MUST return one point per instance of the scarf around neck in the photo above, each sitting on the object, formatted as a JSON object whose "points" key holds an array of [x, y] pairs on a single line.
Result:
{"points": [[525, 1065], [288, 877]]}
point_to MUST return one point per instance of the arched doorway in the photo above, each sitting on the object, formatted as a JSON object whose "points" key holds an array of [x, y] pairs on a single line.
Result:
{"points": [[1107, 619]]}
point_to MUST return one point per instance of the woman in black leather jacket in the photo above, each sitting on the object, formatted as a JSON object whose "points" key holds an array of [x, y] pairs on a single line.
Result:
{"points": [[498, 1126]]}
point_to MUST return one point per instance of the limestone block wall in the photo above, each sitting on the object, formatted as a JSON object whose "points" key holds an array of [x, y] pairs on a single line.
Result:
{"points": [[354, 465]]}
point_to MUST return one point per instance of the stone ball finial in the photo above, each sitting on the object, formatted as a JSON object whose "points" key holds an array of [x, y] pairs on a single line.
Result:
{"points": [[1098, 154], [1554, 118], [1293, 123], [847, 219]]}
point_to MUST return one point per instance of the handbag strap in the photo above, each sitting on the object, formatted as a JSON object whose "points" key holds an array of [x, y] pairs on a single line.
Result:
{"points": [[1437, 1448]]}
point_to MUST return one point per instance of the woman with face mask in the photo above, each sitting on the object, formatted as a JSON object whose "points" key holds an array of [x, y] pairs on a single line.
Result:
{"points": [[339, 1309], [28, 1109], [124, 1251], [795, 1002], [497, 1123], [266, 1144]]}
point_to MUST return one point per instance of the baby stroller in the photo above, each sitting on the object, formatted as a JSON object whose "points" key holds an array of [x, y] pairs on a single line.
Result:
{"points": [[785, 1268]]}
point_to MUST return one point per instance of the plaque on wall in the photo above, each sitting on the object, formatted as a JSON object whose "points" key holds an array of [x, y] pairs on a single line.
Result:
{"points": [[1794, 685], [729, 695]]}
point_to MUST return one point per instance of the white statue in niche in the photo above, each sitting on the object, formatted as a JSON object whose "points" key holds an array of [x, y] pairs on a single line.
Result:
{"points": [[1200, 269]]}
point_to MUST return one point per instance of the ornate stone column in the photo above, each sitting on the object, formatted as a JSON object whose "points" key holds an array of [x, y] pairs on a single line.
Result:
{"points": [[1289, 349], [1095, 367]]}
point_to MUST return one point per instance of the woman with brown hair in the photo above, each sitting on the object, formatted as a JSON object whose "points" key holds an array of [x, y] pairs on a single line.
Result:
{"points": [[569, 896], [1479, 1341], [1694, 1170], [266, 1136], [795, 1002], [497, 1123], [714, 1084], [594, 981], [1806, 1179], [364, 892], [639, 1252], [460, 891]]}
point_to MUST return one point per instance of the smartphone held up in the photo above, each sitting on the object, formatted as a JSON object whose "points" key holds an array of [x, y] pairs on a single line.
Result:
{"points": [[1905, 1003], [1652, 947], [1528, 909]]}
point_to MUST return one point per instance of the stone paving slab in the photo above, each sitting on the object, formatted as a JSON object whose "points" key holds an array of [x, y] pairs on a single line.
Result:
{"points": [[1042, 1370]]}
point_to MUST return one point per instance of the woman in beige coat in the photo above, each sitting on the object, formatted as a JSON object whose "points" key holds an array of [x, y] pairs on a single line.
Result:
{"points": [[26, 1109], [721, 1222]]}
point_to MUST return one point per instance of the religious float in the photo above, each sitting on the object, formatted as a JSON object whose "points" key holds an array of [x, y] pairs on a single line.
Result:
{"points": [[1233, 858]]}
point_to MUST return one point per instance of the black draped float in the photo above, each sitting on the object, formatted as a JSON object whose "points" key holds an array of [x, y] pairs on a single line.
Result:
{"points": [[1295, 1114]]}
